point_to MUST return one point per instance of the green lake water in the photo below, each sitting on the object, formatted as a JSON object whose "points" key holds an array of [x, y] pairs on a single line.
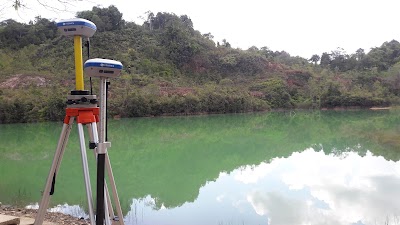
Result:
{"points": [[328, 167]]}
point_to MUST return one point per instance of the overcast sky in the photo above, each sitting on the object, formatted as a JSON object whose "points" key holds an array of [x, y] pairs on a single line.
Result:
{"points": [[299, 27]]}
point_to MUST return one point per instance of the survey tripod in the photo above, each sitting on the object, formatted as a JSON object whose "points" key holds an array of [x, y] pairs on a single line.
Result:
{"points": [[82, 108]]}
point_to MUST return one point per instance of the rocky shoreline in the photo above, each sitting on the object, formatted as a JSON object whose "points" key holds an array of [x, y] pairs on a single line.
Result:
{"points": [[54, 217]]}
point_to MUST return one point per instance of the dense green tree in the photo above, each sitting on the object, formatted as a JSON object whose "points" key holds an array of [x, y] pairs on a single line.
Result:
{"points": [[180, 48], [338, 60], [314, 59], [225, 43], [268, 53], [106, 19], [333, 96], [208, 36], [385, 56], [360, 54], [275, 93], [17, 35], [325, 59]]}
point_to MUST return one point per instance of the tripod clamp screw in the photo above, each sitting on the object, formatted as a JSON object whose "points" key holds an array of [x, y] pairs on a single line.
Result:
{"points": [[92, 145], [81, 100], [84, 99]]}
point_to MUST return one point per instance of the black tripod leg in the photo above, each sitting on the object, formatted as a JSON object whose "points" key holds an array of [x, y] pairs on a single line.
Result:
{"points": [[100, 189]]}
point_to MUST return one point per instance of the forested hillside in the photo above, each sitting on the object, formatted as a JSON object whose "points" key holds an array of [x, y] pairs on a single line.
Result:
{"points": [[172, 69]]}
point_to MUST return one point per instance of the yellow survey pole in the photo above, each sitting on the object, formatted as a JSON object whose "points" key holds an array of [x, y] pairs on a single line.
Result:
{"points": [[79, 85]]}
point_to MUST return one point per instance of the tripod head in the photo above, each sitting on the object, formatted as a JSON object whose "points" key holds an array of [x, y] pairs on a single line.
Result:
{"points": [[77, 28]]}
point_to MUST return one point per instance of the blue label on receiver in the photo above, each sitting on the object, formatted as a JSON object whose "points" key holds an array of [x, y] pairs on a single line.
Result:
{"points": [[77, 23], [103, 65]]}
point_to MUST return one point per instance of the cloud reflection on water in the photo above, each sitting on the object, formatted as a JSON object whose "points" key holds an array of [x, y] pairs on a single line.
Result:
{"points": [[351, 188]]}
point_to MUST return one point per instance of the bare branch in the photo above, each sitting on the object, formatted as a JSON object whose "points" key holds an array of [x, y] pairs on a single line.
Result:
{"points": [[51, 8], [65, 3], [2, 7], [54, 6]]}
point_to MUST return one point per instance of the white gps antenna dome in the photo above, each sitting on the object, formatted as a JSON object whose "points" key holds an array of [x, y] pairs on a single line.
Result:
{"points": [[77, 27], [102, 68]]}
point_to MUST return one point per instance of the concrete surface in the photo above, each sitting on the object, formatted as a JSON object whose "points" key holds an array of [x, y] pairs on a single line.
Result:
{"points": [[12, 220], [9, 220], [30, 221]]}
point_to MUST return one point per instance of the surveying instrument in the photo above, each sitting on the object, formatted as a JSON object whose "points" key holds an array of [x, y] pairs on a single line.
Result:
{"points": [[82, 106]]}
